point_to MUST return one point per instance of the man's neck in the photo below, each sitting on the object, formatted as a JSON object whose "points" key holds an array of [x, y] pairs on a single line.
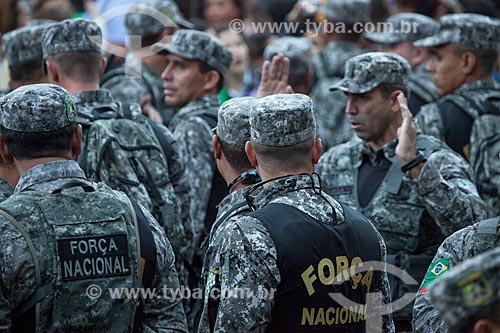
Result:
{"points": [[9, 173]]}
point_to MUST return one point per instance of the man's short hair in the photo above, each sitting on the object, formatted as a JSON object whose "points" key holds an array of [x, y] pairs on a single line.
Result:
{"points": [[487, 58], [84, 67], [386, 89], [236, 157], [285, 159], [26, 72], [205, 68]]}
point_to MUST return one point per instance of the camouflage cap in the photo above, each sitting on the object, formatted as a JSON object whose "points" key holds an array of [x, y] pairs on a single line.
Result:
{"points": [[282, 120], [233, 124], [72, 36], [297, 49], [404, 27], [24, 45], [150, 17], [468, 290], [471, 30], [348, 11], [199, 45], [37, 108], [367, 71]]}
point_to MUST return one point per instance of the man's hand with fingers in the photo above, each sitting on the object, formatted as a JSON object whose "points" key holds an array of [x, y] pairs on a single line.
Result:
{"points": [[274, 79]]}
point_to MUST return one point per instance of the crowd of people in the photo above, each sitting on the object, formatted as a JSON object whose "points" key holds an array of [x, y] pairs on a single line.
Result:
{"points": [[164, 169]]}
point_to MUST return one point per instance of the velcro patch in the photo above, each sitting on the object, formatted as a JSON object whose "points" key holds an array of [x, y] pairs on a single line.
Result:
{"points": [[93, 256], [476, 290]]}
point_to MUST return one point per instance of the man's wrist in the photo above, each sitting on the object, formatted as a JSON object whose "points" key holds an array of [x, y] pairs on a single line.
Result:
{"points": [[413, 163]]}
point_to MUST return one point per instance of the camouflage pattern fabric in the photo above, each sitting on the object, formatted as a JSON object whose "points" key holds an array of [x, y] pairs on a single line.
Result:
{"points": [[367, 71], [37, 108], [297, 49], [95, 105], [472, 30], [426, 318], [348, 11], [72, 36], [282, 120], [32, 190], [468, 291], [23, 45], [194, 136], [330, 62], [133, 82], [194, 44], [246, 257], [233, 125], [6, 190], [151, 17], [329, 111], [422, 89], [416, 219]]}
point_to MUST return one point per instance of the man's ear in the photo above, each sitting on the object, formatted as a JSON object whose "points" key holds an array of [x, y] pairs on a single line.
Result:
{"points": [[393, 101], [52, 72], [317, 149], [469, 63], [251, 154], [419, 55], [104, 62], [7, 156], [484, 326], [217, 146], [76, 141], [211, 80]]}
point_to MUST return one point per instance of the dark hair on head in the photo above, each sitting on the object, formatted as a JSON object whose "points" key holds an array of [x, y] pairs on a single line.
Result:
{"points": [[487, 58], [285, 159], [84, 67], [205, 68], [236, 157], [386, 89], [26, 72], [26, 146]]}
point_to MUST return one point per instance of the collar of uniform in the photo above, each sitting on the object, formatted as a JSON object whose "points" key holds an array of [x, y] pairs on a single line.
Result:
{"points": [[478, 85], [44, 173], [388, 151], [263, 195], [231, 199], [206, 102], [92, 96], [5, 187]]}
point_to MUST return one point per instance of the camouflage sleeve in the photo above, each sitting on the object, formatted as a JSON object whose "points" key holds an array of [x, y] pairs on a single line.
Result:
{"points": [[196, 152], [163, 313], [17, 273], [249, 277], [126, 89], [430, 122], [426, 318], [448, 192]]}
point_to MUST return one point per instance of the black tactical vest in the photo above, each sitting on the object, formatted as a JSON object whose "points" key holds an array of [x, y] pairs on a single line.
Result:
{"points": [[311, 255]]}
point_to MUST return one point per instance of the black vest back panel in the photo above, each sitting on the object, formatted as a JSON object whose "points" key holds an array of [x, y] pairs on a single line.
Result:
{"points": [[312, 255]]}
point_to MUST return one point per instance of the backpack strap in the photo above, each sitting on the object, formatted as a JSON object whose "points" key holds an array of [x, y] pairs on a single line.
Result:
{"points": [[485, 231]]}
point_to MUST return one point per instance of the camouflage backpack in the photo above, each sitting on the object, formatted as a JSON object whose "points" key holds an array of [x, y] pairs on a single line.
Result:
{"points": [[82, 246], [484, 153], [131, 156]]}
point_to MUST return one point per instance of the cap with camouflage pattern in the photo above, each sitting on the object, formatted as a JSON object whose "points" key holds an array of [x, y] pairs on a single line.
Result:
{"points": [[24, 45], [367, 71], [404, 27], [194, 44], [297, 49], [233, 124], [282, 120], [150, 17], [471, 30], [37, 108], [72, 36], [348, 11], [468, 290]]}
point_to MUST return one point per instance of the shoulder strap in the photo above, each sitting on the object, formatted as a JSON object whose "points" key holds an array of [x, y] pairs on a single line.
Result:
{"points": [[486, 230]]}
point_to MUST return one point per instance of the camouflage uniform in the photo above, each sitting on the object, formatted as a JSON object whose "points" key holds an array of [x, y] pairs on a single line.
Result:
{"points": [[469, 291], [413, 215], [243, 244], [21, 112], [477, 32], [410, 27], [136, 80], [6, 190], [192, 124]]}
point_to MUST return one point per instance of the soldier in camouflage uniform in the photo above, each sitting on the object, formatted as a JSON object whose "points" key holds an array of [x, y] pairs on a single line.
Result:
{"points": [[232, 132], [73, 58], [462, 245], [414, 189], [329, 64], [141, 74], [468, 298], [467, 87], [298, 50], [59, 231], [257, 291], [23, 50], [400, 32]]}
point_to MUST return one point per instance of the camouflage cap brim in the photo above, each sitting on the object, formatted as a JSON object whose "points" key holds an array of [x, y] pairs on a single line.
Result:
{"points": [[384, 38], [353, 87], [441, 38], [169, 48]]}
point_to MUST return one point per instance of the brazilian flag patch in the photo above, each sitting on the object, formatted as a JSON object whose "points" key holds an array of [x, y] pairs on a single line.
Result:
{"points": [[436, 269]]}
